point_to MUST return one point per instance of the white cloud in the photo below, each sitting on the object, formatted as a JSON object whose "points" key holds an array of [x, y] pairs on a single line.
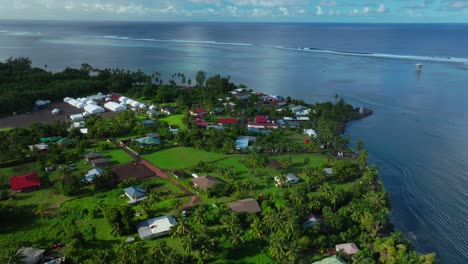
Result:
{"points": [[459, 4], [301, 11], [205, 2], [259, 12], [232, 10], [366, 10], [268, 3], [284, 11], [381, 9], [328, 3], [319, 11]]}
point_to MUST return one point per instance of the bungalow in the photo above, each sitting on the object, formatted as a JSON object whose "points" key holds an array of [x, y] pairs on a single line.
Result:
{"points": [[349, 249], [328, 171], [148, 122], [31, 255], [25, 182], [263, 125], [198, 112], [330, 260], [155, 227], [311, 220], [89, 177], [147, 141], [168, 110], [261, 119], [205, 182], [310, 132], [92, 156], [293, 124], [201, 123], [153, 135], [297, 108], [135, 194], [40, 146], [76, 117], [99, 162], [256, 130], [227, 121], [290, 179], [248, 205], [50, 139]]}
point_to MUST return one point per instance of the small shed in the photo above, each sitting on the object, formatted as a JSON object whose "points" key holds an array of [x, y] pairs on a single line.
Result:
{"points": [[99, 162], [248, 205], [94, 109], [77, 117], [205, 182], [92, 156], [135, 194], [349, 249]]}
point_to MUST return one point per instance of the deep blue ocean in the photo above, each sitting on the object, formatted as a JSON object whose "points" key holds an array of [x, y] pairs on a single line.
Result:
{"points": [[418, 135]]}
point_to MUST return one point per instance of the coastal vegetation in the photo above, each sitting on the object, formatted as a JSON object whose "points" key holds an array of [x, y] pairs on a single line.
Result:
{"points": [[91, 221]]}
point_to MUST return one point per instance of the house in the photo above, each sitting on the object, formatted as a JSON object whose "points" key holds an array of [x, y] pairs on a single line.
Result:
{"points": [[89, 177], [331, 260], [297, 108], [310, 132], [152, 113], [153, 135], [201, 123], [25, 182], [64, 141], [168, 110], [227, 121], [243, 142], [293, 124], [311, 220], [328, 171], [263, 125], [205, 182], [148, 122], [79, 124], [99, 162], [40, 146], [248, 205], [349, 249], [261, 119], [198, 112], [290, 179], [135, 194], [155, 227], [31, 255], [174, 131], [92, 156], [50, 139]]}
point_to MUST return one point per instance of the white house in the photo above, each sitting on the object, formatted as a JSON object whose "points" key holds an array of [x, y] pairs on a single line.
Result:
{"points": [[290, 178], [310, 132], [155, 227], [115, 107], [94, 109], [80, 105], [349, 249]]}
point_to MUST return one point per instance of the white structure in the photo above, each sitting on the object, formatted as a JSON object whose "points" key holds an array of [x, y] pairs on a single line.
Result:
{"points": [[84, 131], [91, 102], [135, 104], [115, 107], [290, 179], [155, 227], [77, 117], [80, 105], [123, 99], [94, 109], [349, 248], [40, 146], [86, 114], [56, 111], [79, 124], [328, 171], [310, 132]]}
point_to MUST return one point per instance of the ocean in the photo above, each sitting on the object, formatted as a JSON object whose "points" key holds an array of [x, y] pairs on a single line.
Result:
{"points": [[417, 135]]}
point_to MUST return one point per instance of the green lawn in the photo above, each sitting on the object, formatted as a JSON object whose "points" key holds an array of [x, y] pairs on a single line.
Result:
{"points": [[181, 157], [114, 154], [174, 120]]}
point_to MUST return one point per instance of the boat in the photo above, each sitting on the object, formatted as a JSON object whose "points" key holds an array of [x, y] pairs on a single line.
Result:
{"points": [[419, 67]]}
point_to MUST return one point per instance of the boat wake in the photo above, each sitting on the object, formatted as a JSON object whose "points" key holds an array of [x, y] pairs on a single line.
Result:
{"points": [[299, 49]]}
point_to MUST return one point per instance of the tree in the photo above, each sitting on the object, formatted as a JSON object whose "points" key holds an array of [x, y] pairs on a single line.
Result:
{"points": [[181, 229], [201, 77], [119, 218], [359, 145], [330, 193], [40, 209]]}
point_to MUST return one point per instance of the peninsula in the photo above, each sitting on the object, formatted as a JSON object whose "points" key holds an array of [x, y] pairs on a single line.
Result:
{"points": [[113, 166]]}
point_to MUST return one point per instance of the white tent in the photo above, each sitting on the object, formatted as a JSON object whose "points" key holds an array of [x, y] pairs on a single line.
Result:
{"points": [[86, 114], [135, 104], [80, 105], [40, 102], [77, 117], [56, 111], [123, 99], [143, 106], [153, 107], [66, 99], [91, 102], [94, 109], [115, 107]]}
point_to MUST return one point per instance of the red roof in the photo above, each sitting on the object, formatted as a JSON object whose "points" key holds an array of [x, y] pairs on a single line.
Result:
{"points": [[201, 111], [261, 119], [263, 124], [227, 120], [201, 123], [25, 181]]}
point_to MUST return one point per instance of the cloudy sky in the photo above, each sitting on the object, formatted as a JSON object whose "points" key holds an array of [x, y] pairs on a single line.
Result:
{"points": [[240, 10]]}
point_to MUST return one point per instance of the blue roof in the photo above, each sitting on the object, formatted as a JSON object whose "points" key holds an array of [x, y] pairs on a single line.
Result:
{"points": [[89, 177], [135, 192], [242, 143]]}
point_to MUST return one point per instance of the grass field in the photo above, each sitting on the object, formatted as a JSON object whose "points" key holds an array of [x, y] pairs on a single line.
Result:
{"points": [[174, 120], [114, 154], [181, 157]]}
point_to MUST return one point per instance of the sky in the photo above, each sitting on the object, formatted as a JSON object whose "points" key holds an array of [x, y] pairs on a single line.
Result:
{"points": [[374, 11]]}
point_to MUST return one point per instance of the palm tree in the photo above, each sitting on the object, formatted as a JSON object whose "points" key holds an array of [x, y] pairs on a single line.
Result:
{"points": [[187, 243], [330, 193], [296, 196], [199, 215], [181, 229], [40, 209]]}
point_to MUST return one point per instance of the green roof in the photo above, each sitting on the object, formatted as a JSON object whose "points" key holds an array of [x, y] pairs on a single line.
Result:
{"points": [[50, 139], [64, 141], [331, 260], [147, 141]]}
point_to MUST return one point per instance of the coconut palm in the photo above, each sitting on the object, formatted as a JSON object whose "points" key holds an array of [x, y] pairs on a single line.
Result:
{"points": [[181, 229], [330, 193]]}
